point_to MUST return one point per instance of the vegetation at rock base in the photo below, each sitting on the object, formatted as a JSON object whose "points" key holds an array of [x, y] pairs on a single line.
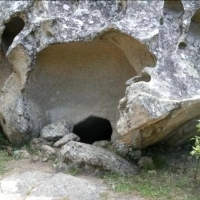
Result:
{"points": [[4, 158], [196, 149], [172, 177]]}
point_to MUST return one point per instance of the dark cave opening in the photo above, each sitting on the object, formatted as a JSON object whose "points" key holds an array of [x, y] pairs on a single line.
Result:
{"points": [[12, 29], [93, 129]]}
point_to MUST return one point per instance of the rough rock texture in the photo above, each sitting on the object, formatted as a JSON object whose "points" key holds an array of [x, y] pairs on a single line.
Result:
{"points": [[65, 139], [80, 153], [146, 162], [45, 186], [103, 47], [55, 131]]}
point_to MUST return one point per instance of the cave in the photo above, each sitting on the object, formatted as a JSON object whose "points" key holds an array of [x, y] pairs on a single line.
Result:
{"points": [[76, 80], [93, 129], [12, 29]]}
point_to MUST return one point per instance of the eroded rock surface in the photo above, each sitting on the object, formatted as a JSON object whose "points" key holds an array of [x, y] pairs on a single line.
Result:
{"points": [[71, 59], [55, 131], [65, 139], [80, 153]]}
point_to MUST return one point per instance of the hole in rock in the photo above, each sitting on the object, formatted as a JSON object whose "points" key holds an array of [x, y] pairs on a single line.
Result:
{"points": [[194, 29], [93, 129], [173, 7], [182, 45], [12, 29], [79, 79]]}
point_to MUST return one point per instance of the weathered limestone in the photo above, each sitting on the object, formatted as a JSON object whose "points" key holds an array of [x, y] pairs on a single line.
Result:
{"points": [[71, 59]]}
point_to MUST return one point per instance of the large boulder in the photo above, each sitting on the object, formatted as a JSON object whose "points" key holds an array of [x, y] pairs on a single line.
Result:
{"points": [[98, 47], [77, 153]]}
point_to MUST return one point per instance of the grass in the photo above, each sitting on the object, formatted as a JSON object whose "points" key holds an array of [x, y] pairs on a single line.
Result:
{"points": [[4, 159], [171, 182]]}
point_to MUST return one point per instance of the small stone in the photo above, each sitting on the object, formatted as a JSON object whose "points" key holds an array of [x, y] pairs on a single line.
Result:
{"points": [[55, 131], [120, 148], [35, 158], [36, 143], [48, 152], [146, 162], [45, 159], [135, 154], [48, 149], [60, 167], [103, 144], [18, 154], [65, 139], [152, 172]]}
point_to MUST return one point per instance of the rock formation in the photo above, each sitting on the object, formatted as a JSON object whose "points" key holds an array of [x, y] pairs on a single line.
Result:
{"points": [[68, 60]]}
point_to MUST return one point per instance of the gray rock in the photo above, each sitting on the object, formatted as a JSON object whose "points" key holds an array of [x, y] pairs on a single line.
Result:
{"points": [[67, 138], [35, 158], [135, 34], [76, 152], [120, 148], [19, 154], [55, 131], [146, 162], [40, 185], [136, 154], [48, 152], [37, 143], [103, 144]]}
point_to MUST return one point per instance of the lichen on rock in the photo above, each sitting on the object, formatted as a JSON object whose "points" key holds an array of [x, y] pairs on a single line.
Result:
{"points": [[72, 59]]}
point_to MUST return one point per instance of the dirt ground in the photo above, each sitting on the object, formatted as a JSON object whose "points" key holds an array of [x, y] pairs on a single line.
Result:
{"points": [[24, 165]]}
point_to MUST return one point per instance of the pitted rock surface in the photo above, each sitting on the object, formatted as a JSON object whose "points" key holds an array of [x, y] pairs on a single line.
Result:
{"points": [[101, 45], [56, 131]]}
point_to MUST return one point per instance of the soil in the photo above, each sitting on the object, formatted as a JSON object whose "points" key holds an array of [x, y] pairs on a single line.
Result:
{"points": [[177, 159], [24, 165]]}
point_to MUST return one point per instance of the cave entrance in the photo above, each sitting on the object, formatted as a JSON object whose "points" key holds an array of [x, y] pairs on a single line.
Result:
{"points": [[93, 129], [13, 28], [74, 80]]}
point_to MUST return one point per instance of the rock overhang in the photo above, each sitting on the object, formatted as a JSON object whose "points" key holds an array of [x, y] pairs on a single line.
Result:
{"points": [[173, 82]]}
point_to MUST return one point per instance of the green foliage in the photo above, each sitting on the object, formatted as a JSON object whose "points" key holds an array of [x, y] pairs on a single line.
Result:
{"points": [[160, 162], [196, 148], [164, 184], [4, 159]]}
